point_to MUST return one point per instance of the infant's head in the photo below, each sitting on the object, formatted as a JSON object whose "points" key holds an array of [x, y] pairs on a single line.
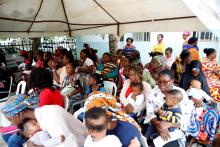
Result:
{"points": [[96, 122], [195, 84], [173, 97], [29, 127], [137, 88]]}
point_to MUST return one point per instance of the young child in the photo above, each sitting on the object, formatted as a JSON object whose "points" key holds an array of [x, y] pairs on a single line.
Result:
{"points": [[96, 123], [31, 129], [40, 60], [95, 83], [136, 97], [196, 94], [171, 111]]}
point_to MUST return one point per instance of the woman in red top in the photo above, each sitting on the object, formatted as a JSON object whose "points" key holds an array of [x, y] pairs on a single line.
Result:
{"points": [[41, 79]]}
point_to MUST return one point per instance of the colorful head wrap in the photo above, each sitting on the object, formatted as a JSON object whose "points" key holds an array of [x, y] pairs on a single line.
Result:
{"points": [[161, 60], [18, 103], [186, 33], [108, 102]]}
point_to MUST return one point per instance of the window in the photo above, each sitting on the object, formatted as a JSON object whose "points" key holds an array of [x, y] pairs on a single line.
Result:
{"points": [[141, 36], [207, 36]]}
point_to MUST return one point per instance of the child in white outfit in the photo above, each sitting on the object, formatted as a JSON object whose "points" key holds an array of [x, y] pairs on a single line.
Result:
{"points": [[196, 92], [136, 98], [96, 123], [31, 129], [197, 95]]}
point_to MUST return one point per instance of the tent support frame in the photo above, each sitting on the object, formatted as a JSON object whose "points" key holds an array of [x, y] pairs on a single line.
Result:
{"points": [[35, 16], [67, 21]]}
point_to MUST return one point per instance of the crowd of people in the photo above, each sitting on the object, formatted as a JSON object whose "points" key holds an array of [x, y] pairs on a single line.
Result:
{"points": [[171, 101]]}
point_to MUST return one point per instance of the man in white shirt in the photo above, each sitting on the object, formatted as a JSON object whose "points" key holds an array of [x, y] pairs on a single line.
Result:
{"points": [[86, 64], [156, 100]]}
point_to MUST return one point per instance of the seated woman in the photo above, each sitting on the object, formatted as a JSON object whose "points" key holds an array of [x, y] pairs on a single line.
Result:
{"points": [[147, 76], [40, 60], [180, 65], [135, 76], [71, 86], [120, 124], [108, 69], [51, 118], [60, 73], [123, 72], [211, 70], [156, 101], [194, 72], [157, 64], [41, 82], [120, 54]]}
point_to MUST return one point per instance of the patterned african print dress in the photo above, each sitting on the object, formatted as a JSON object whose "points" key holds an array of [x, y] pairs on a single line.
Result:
{"points": [[211, 70], [212, 73]]}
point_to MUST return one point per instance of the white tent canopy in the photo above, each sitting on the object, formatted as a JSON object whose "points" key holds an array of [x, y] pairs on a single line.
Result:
{"points": [[35, 18]]}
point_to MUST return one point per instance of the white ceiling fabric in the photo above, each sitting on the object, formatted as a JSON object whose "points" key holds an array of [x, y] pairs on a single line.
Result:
{"points": [[35, 18]]}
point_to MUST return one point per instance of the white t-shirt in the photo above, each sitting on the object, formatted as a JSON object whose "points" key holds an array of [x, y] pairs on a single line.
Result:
{"points": [[198, 94], [62, 73], [88, 62], [43, 138], [136, 103], [57, 121], [170, 61], [107, 141]]}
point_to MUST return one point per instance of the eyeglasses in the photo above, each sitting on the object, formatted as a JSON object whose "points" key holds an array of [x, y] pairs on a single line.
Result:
{"points": [[163, 81]]}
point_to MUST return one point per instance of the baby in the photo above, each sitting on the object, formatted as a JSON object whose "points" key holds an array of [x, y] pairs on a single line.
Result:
{"points": [[136, 97], [96, 123], [31, 129], [171, 111], [196, 94]]}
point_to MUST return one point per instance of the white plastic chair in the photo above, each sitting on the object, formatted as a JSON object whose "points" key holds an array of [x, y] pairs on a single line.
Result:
{"points": [[110, 87], [66, 102], [21, 87]]}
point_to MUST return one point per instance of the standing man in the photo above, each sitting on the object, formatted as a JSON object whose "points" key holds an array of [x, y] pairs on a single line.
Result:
{"points": [[160, 46]]}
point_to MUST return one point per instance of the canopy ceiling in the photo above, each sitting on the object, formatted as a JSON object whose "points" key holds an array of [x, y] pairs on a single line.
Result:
{"points": [[34, 18]]}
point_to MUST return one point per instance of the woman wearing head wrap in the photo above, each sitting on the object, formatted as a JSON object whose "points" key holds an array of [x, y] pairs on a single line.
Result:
{"points": [[194, 71], [51, 118], [12, 111], [120, 124], [157, 64], [186, 37]]}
